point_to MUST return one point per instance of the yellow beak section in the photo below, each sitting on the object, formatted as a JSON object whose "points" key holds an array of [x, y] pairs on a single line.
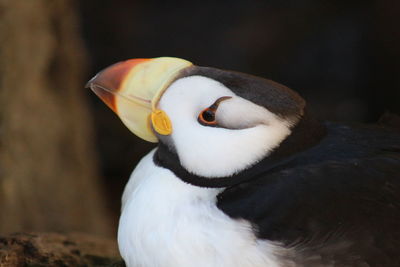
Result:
{"points": [[132, 89]]}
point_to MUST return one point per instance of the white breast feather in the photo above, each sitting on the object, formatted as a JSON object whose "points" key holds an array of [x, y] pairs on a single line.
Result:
{"points": [[168, 223]]}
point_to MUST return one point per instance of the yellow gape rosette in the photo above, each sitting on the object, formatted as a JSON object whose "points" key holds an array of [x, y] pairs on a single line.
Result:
{"points": [[133, 88]]}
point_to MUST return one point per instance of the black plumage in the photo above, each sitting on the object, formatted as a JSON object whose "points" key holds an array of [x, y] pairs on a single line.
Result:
{"points": [[336, 202]]}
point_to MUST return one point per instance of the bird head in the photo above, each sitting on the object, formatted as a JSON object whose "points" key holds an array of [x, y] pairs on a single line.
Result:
{"points": [[216, 122]]}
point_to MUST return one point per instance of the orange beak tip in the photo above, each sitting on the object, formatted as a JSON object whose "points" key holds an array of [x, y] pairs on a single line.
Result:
{"points": [[89, 83], [105, 95]]}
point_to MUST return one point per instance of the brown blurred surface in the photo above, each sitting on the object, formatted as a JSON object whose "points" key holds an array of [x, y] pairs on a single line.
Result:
{"points": [[48, 172], [51, 249]]}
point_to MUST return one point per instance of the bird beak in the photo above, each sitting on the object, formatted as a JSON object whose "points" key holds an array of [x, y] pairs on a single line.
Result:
{"points": [[132, 89]]}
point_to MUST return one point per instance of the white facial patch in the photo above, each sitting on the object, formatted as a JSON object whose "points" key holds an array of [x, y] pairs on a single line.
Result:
{"points": [[240, 113], [247, 132]]}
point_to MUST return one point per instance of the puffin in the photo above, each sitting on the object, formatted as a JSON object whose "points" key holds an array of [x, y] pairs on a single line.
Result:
{"points": [[244, 175]]}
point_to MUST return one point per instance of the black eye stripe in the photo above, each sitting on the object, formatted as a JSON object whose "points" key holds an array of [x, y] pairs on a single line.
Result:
{"points": [[218, 101]]}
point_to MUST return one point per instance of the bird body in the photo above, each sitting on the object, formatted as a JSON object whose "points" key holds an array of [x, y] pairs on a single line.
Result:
{"points": [[245, 176]]}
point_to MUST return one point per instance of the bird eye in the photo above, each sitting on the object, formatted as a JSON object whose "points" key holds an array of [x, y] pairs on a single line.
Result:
{"points": [[207, 117]]}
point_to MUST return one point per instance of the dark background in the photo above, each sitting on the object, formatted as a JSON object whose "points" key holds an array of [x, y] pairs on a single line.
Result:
{"points": [[341, 56]]}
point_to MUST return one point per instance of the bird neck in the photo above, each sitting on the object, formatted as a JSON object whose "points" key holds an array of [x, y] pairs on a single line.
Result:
{"points": [[307, 133]]}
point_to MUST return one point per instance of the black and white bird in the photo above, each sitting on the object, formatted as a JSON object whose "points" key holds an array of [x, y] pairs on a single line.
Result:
{"points": [[244, 176]]}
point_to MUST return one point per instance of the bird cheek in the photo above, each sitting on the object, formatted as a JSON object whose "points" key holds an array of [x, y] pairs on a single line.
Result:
{"points": [[239, 114]]}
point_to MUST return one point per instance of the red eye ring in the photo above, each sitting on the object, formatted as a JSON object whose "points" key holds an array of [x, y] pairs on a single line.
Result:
{"points": [[207, 117]]}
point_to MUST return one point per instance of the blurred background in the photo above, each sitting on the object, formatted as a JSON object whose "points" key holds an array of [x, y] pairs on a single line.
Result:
{"points": [[65, 157]]}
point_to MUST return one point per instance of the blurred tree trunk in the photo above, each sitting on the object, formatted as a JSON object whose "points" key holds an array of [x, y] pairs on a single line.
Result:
{"points": [[47, 168]]}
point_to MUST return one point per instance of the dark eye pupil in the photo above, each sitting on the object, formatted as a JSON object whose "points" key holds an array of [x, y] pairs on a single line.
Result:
{"points": [[209, 116]]}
